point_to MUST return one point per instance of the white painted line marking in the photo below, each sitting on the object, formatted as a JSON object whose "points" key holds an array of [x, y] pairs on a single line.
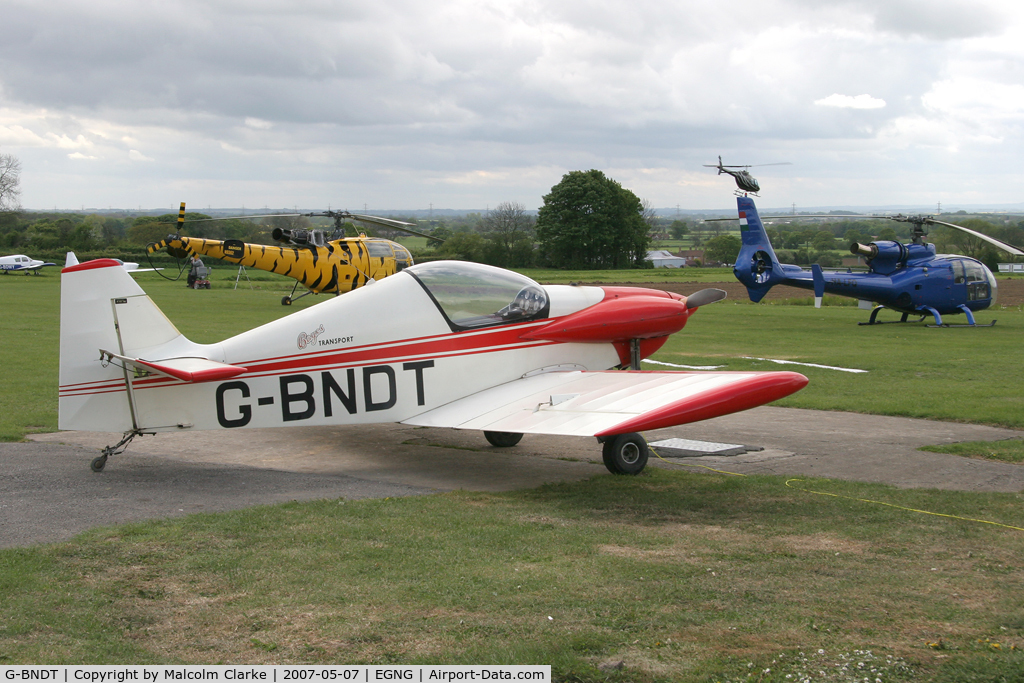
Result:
{"points": [[810, 365]]}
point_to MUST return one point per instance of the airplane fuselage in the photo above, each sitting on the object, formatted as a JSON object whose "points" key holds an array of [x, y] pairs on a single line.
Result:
{"points": [[21, 262]]}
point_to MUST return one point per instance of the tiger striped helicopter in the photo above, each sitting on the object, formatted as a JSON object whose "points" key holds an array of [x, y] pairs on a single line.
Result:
{"points": [[332, 264]]}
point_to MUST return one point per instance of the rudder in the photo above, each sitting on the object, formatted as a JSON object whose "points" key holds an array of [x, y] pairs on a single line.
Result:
{"points": [[757, 267], [102, 307]]}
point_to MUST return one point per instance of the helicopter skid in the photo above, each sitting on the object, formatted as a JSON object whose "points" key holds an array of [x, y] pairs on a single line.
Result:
{"points": [[967, 325], [873, 320]]}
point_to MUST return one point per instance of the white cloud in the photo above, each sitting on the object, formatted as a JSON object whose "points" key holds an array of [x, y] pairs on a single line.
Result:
{"points": [[848, 102], [258, 124], [465, 103]]}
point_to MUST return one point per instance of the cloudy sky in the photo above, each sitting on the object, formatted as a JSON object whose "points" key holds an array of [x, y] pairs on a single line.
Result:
{"points": [[404, 104]]}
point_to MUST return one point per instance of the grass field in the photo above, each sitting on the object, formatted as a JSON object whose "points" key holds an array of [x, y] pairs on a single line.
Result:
{"points": [[681, 575], [970, 375]]}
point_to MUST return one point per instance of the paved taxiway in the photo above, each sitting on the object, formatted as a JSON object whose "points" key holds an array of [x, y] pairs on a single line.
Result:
{"points": [[48, 493]]}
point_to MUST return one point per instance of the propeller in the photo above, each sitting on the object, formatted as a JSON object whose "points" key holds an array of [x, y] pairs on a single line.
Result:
{"points": [[704, 297]]}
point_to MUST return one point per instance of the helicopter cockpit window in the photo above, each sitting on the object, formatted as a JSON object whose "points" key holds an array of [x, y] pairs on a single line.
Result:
{"points": [[472, 295], [403, 259], [979, 285], [958, 273], [379, 249], [975, 271]]}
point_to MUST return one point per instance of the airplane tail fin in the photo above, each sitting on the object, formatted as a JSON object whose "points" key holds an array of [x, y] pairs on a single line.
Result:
{"points": [[756, 267], [102, 309]]}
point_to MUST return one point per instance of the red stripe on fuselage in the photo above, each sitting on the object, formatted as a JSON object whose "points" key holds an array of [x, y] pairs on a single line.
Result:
{"points": [[421, 348]]}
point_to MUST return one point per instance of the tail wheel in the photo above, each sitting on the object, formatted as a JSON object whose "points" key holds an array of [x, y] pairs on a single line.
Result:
{"points": [[503, 439], [626, 454]]}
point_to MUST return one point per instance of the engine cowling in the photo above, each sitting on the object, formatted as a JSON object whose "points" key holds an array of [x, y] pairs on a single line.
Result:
{"points": [[884, 257]]}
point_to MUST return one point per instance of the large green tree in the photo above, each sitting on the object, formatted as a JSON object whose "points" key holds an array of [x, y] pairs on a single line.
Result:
{"points": [[590, 221], [722, 249]]}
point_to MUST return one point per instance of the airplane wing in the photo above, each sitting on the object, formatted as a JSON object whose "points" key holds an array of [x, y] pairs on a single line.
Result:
{"points": [[192, 370], [611, 402]]}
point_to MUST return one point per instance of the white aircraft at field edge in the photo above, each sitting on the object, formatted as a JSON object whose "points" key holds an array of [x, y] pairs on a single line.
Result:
{"points": [[16, 262], [441, 344]]}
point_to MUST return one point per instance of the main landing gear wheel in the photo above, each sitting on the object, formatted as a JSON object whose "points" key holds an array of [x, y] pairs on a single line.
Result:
{"points": [[286, 301], [99, 463], [626, 454], [503, 439]]}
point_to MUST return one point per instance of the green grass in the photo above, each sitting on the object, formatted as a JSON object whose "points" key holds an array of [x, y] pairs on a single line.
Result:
{"points": [[1008, 450], [684, 576], [914, 371]]}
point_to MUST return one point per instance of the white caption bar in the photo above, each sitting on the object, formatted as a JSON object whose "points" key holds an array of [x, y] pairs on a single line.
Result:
{"points": [[420, 673]]}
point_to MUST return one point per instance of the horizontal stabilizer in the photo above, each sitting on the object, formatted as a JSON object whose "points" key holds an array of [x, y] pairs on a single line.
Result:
{"points": [[612, 402], [192, 370]]}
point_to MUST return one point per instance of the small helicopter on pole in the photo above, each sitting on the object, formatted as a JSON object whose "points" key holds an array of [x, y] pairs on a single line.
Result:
{"points": [[332, 264], [744, 181]]}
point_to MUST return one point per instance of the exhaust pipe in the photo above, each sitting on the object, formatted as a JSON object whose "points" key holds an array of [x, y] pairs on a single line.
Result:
{"points": [[868, 251]]}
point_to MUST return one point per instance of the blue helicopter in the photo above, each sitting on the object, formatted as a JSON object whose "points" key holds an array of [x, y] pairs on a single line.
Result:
{"points": [[909, 278]]}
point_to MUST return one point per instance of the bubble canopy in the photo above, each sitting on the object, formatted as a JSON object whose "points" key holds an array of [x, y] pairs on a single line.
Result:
{"points": [[472, 295]]}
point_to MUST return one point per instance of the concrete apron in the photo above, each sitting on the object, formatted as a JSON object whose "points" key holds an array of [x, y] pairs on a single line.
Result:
{"points": [[794, 442]]}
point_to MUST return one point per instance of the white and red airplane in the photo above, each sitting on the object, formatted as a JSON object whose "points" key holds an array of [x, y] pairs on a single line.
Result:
{"points": [[442, 344], [22, 263]]}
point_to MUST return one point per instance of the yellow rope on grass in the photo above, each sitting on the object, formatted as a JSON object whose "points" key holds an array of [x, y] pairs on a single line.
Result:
{"points": [[901, 507], [836, 495]]}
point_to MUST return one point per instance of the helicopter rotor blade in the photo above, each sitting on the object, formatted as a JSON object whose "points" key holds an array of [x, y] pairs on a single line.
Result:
{"points": [[982, 236], [181, 220], [376, 220], [777, 163], [908, 219], [397, 225], [390, 222]]}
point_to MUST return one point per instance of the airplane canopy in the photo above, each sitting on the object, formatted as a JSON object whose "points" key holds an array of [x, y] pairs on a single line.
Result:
{"points": [[472, 295]]}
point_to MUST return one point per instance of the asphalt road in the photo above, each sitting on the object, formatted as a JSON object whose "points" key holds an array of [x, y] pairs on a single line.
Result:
{"points": [[48, 492]]}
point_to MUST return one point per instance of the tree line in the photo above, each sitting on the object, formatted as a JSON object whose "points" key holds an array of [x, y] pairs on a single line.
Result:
{"points": [[587, 221]]}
